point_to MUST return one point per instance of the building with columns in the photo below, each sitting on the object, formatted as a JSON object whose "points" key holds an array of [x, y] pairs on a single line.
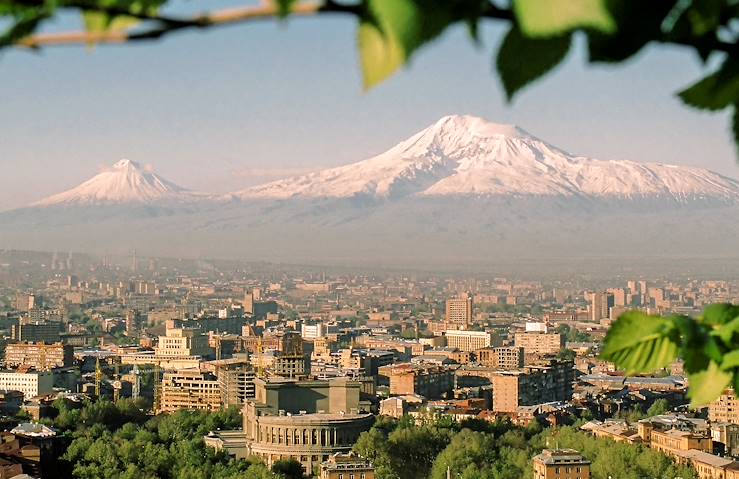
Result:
{"points": [[308, 421]]}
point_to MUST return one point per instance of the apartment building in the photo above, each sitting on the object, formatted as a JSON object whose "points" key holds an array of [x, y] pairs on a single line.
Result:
{"points": [[504, 358], [535, 384], [39, 356], [190, 389], [725, 408], [539, 343], [427, 380]]}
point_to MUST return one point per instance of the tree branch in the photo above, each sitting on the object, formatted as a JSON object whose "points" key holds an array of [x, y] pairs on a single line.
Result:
{"points": [[168, 24]]}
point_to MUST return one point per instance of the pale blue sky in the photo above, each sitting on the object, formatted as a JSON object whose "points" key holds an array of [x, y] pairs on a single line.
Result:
{"points": [[227, 108]]}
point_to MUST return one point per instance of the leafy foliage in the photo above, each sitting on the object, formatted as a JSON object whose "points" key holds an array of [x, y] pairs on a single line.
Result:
{"points": [[390, 32], [709, 345], [118, 440], [480, 449]]}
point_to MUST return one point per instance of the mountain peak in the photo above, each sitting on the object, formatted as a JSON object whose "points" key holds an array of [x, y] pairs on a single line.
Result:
{"points": [[126, 163], [125, 182], [478, 127], [465, 155]]}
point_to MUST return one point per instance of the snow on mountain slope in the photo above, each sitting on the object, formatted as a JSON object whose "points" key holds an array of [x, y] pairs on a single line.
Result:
{"points": [[125, 182], [466, 155]]}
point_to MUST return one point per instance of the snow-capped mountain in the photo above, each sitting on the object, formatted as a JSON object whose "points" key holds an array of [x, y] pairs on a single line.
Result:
{"points": [[469, 156], [126, 182], [463, 191]]}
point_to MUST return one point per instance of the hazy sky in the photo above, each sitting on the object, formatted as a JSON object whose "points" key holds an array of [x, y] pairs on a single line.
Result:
{"points": [[227, 108]]}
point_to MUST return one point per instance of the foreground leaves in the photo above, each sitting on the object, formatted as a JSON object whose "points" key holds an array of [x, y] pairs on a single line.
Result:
{"points": [[708, 345]]}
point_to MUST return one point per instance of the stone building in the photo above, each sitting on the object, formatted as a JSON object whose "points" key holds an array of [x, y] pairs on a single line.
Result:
{"points": [[560, 464], [308, 421], [347, 466]]}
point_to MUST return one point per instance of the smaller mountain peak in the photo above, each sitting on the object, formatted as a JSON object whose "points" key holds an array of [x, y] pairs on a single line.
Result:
{"points": [[480, 127], [125, 163]]}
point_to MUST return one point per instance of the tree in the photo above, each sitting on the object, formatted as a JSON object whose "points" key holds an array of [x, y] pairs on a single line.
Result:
{"points": [[658, 407], [389, 32], [289, 468]]}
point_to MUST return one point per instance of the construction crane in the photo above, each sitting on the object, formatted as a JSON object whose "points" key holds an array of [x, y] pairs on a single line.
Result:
{"points": [[260, 351], [98, 377], [136, 389], [157, 388]]}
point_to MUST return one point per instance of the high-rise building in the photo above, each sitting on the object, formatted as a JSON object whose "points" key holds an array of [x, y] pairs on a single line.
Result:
{"points": [[459, 311], [560, 464], [600, 304]]}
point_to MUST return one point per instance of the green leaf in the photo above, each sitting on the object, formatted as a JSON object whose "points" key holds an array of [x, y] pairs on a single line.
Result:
{"points": [[720, 313], [716, 91], [638, 23], [547, 18], [707, 385], [522, 60], [98, 22], [730, 360], [390, 31], [735, 125], [284, 7], [640, 343], [380, 56]]}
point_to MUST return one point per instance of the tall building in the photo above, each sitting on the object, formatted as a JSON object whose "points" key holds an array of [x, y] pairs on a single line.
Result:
{"points": [[560, 464], [600, 304], [459, 311]]}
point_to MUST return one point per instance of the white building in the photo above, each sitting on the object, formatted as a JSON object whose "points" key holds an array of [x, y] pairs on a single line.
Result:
{"points": [[31, 384], [470, 340]]}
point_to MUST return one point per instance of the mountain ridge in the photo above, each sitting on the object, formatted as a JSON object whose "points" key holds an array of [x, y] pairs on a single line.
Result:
{"points": [[466, 155]]}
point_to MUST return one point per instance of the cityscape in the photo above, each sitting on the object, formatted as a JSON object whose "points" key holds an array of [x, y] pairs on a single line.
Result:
{"points": [[369, 239], [327, 372]]}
